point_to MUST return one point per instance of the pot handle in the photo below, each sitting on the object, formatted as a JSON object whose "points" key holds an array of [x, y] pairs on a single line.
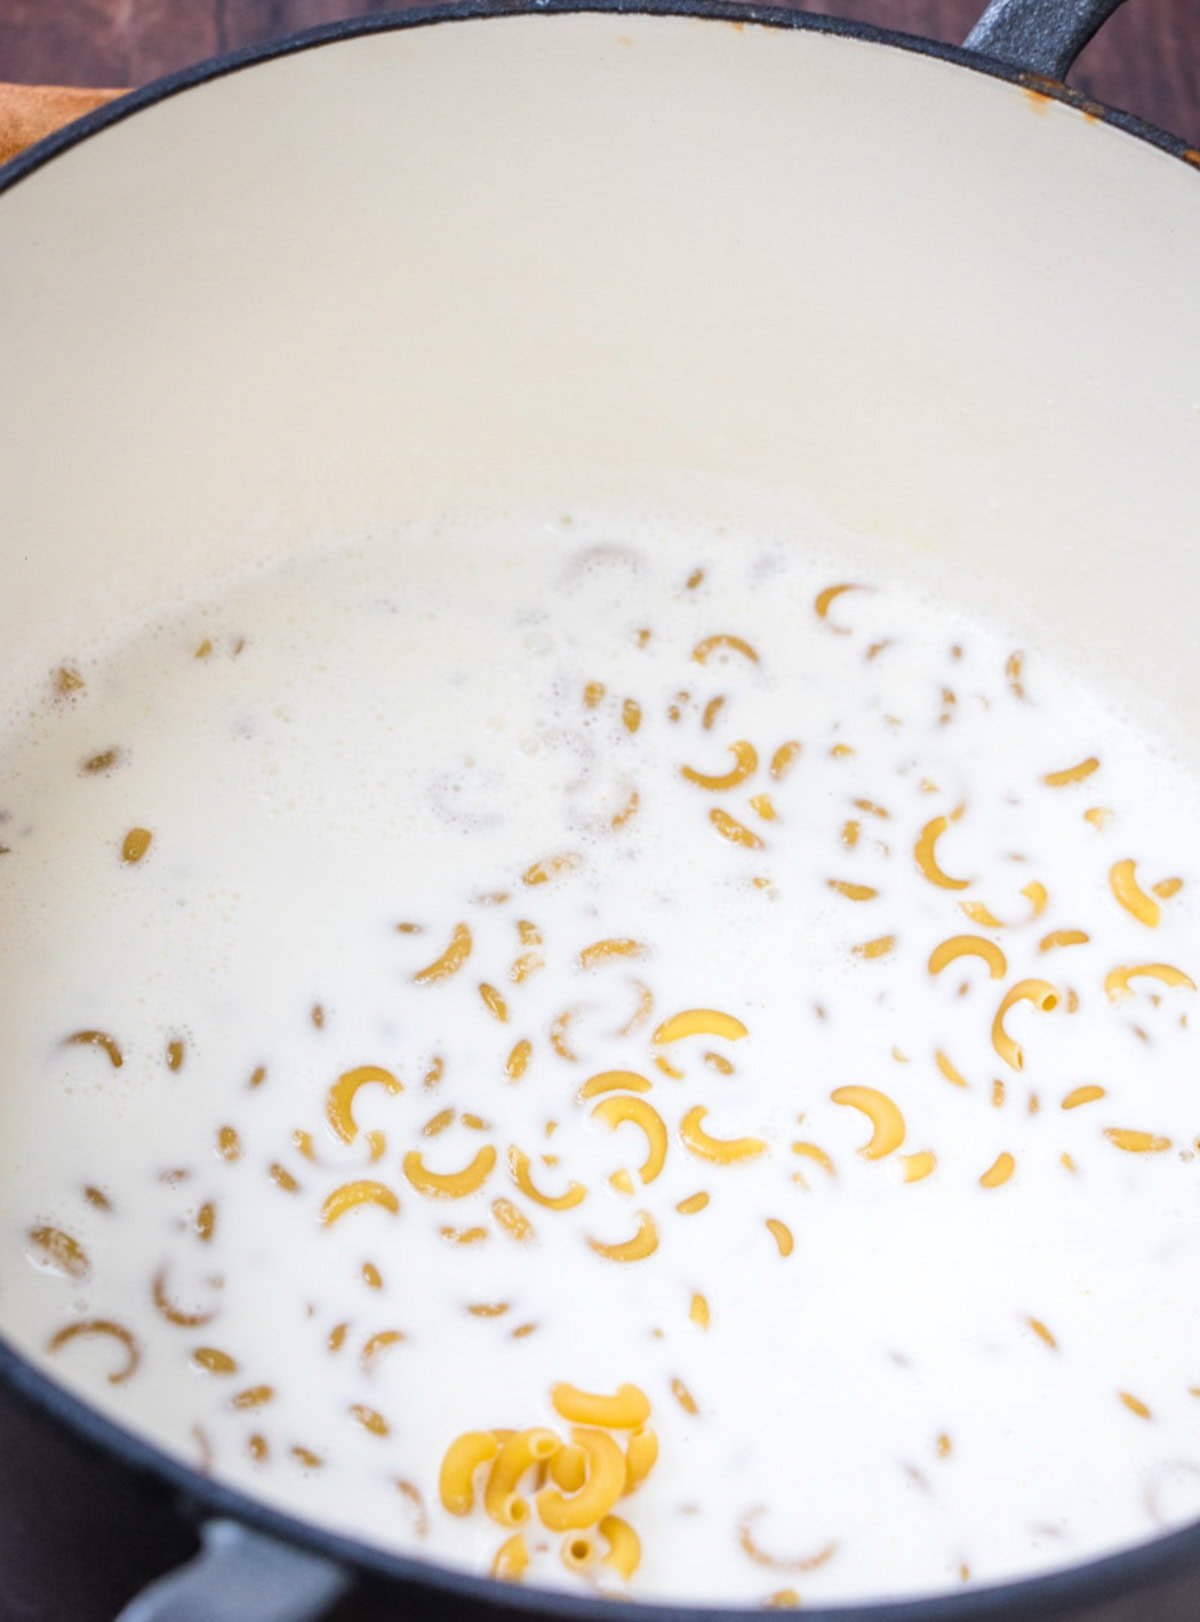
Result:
{"points": [[241, 1573], [1044, 36]]}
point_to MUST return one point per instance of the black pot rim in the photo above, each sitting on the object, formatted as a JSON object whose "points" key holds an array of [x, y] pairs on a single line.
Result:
{"points": [[1051, 1595]]}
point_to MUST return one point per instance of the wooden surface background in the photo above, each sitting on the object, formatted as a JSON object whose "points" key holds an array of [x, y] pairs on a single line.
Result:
{"points": [[1147, 60]]}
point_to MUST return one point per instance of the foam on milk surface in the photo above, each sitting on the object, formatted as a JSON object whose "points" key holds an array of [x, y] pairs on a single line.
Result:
{"points": [[940, 1381]]}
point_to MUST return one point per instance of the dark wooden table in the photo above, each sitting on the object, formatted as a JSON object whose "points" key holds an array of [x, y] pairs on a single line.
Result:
{"points": [[71, 1548], [1147, 60]]}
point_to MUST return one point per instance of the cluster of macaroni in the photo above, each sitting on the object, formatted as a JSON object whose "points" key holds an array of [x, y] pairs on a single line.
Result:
{"points": [[578, 1480]]}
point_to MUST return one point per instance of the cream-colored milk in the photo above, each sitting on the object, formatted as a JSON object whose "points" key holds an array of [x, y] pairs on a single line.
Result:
{"points": [[398, 734]]}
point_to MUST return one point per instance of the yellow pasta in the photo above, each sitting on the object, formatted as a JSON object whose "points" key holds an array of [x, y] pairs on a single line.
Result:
{"points": [[814, 1152], [513, 1220], [978, 913], [377, 1343], [1042, 1333], [718, 1151], [643, 1244], [578, 1551], [107, 1044], [641, 1455], [135, 845], [627, 1409], [887, 1121], [853, 892], [1063, 937], [1116, 982], [370, 1419], [999, 1172], [1082, 1095], [167, 1308], [703, 651], [699, 1022], [692, 1204], [879, 947], [519, 1170], [631, 714], [511, 1559], [734, 831], [1072, 774], [611, 1081], [782, 1235], [955, 1077], [925, 853], [351, 1195], [214, 1361], [517, 1062], [605, 951], [810, 1562], [104, 1328], [684, 1398], [624, 1546], [603, 1485], [949, 951], [1166, 888], [553, 867], [1136, 1143], [699, 1312], [494, 1003], [466, 1455], [1135, 1405], [617, 1109], [918, 1166], [339, 1106], [1042, 995], [824, 601], [450, 961], [1130, 895], [784, 759], [255, 1396], [745, 764], [63, 1253], [568, 1467], [454, 1185], [519, 1453]]}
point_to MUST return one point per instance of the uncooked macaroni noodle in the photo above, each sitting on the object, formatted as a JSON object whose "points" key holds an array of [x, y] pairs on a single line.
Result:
{"points": [[612, 1058]]}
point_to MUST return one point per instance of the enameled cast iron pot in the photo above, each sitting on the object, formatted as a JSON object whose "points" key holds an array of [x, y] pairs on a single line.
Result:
{"points": [[636, 250]]}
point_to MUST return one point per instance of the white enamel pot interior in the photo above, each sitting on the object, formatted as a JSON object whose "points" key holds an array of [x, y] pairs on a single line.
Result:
{"points": [[642, 262]]}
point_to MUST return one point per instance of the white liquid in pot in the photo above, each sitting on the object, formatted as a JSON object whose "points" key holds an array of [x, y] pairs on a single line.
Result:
{"points": [[875, 1367]]}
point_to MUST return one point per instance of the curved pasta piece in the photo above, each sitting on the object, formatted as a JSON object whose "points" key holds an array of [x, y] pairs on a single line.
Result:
{"points": [[852, 892], [624, 1553], [718, 1151], [814, 1152], [451, 1185], [952, 1075], [513, 1220], [167, 1308], [107, 1044], [784, 759], [824, 601], [90, 1329], [809, 1562], [887, 1121], [1130, 895], [1083, 1095], [339, 1105], [627, 1409], [999, 1172], [949, 951], [745, 764], [704, 650], [351, 1195], [61, 1252], [644, 1242], [494, 1002], [734, 831], [1072, 774], [618, 1109], [1116, 982], [466, 1454], [1034, 892], [1136, 1143], [511, 1559], [641, 1455], [782, 1235], [1042, 995], [603, 1484], [604, 951], [519, 1453], [378, 1342], [699, 1022], [553, 867], [519, 1170], [918, 1166], [879, 947], [925, 853], [611, 1081], [451, 960], [1063, 937], [568, 1467]]}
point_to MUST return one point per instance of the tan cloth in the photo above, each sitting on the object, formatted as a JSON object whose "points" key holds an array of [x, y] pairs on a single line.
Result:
{"points": [[28, 112]]}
